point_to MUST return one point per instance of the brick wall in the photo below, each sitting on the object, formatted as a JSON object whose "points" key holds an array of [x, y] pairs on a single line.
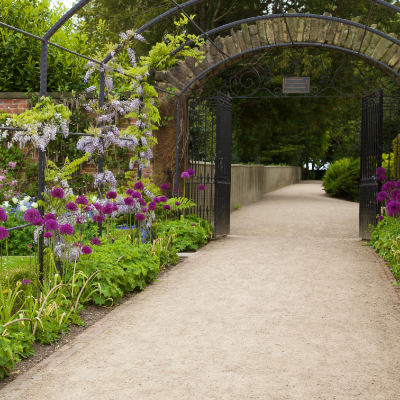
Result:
{"points": [[16, 103]]}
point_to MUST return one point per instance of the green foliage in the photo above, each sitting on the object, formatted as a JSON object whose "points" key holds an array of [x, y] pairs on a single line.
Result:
{"points": [[342, 179], [385, 239], [237, 206], [185, 203]]}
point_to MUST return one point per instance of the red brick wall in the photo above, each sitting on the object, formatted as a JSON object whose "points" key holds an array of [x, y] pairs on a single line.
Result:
{"points": [[18, 105]]}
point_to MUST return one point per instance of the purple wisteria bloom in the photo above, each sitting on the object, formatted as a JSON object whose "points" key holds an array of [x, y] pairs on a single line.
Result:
{"points": [[4, 234], [167, 207], [185, 175], [128, 201], [3, 215], [57, 193], [66, 229], [71, 206], [164, 186], [202, 187], [48, 235], [86, 250], [82, 200], [111, 195], [98, 219], [140, 217], [190, 172], [49, 216], [138, 186], [31, 215], [95, 242], [51, 225], [382, 196]]}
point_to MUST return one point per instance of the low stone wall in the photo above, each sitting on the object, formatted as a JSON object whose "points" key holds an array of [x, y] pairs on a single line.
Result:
{"points": [[250, 182]]}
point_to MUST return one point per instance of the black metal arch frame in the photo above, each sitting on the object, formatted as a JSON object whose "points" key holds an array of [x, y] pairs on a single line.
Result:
{"points": [[178, 8]]}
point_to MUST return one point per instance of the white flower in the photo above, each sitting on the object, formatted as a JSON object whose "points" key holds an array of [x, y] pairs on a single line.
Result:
{"points": [[23, 208], [27, 198], [22, 202], [94, 199], [14, 200], [34, 205], [6, 204]]}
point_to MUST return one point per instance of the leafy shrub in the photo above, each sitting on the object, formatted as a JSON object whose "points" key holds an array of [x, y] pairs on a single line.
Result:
{"points": [[342, 179]]}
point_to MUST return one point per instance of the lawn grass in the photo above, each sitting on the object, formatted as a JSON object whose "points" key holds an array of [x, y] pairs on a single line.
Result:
{"points": [[13, 262]]}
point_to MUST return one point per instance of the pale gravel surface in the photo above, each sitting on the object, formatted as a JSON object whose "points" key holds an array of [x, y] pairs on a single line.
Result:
{"points": [[292, 307]]}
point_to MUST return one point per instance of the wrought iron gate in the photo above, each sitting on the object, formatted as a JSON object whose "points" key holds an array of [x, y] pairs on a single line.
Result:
{"points": [[371, 159], [209, 139]]}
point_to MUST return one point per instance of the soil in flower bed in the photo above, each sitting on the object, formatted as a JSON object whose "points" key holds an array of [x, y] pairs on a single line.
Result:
{"points": [[89, 315]]}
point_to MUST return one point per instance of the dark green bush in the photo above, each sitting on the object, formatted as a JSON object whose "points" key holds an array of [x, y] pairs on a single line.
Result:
{"points": [[342, 179]]}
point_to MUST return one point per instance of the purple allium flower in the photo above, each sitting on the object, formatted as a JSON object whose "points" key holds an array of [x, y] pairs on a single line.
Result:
{"points": [[156, 200], [4, 234], [38, 221], [88, 208], [98, 218], [185, 175], [66, 229], [136, 195], [393, 208], [80, 221], [142, 202], [30, 245], [394, 193], [3, 215], [190, 172], [49, 216], [382, 178], [152, 206], [115, 207], [397, 184], [202, 187], [177, 203], [129, 192], [48, 235], [138, 186], [128, 201], [164, 186], [193, 224], [111, 195], [389, 185], [380, 218], [167, 207], [140, 217], [144, 210], [51, 225], [107, 209], [95, 242], [31, 215], [97, 206], [82, 200], [57, 193], [25, 282], [163, 199], [175, 189], [86, 250], [71, 206], [382, 196], [381, 171]]}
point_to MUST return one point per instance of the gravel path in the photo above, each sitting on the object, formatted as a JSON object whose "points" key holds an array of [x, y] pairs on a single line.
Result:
{"points": [[290, 306]]}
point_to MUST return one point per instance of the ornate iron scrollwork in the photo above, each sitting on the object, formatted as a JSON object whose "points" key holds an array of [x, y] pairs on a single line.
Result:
{"points": [[331, 75]]}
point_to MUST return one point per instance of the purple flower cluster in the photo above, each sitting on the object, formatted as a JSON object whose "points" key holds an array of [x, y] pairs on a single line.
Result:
{"points": [[82, 200], [3, 215], [164, 186], [31, 215], [95, 242], [3, 233], [57, 193], [66, 229]]}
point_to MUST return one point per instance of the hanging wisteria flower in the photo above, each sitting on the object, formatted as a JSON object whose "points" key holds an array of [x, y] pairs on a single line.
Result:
{"points": [[167, 207], [190, 172], [380, 218], [130, 192], [202, 187], [129, 201], [3, 233], [66, 229], [95, 242], [86, 250], [185, 175], [57, 193], [38, 221], [3, 215], [48, 235], [164, 186], [31, 215], [71, 206], [98, 219], [138, 186], [381, 171], [111, 195], [49, 216], [82, 200], [382, 196], [103, 179], [140, 217]]}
